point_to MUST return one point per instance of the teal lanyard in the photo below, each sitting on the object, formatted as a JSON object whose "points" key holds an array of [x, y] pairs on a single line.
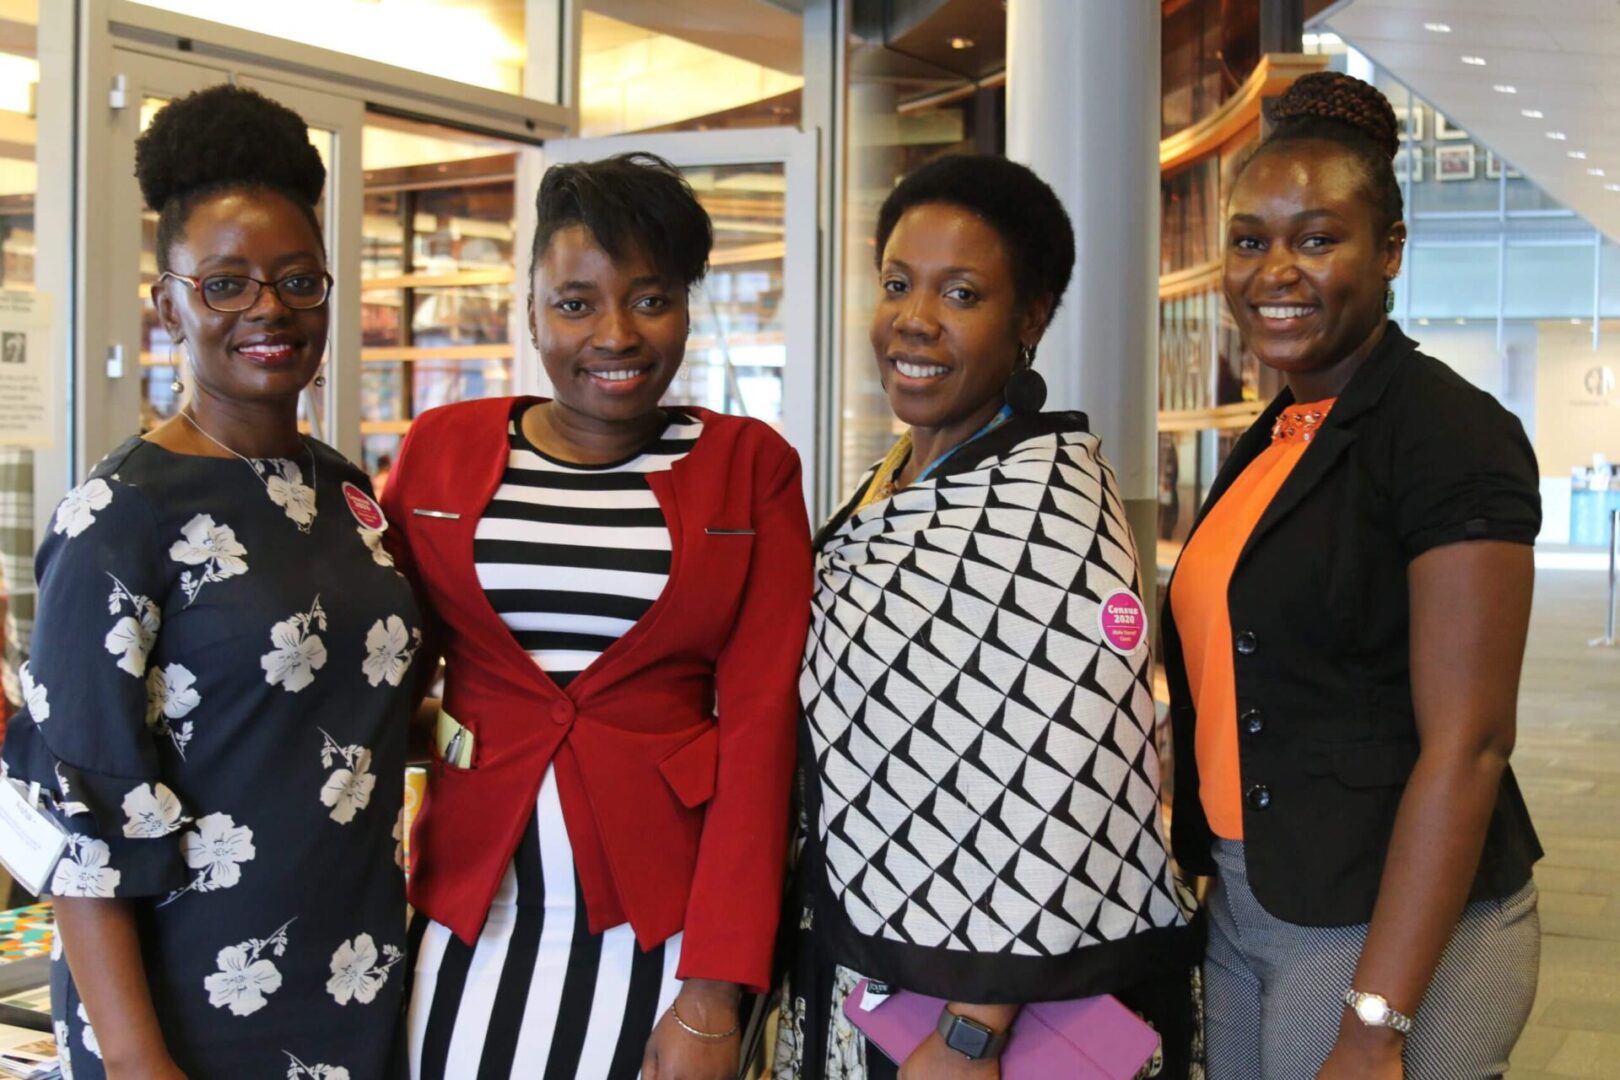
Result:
{"points": [[995, 421]]}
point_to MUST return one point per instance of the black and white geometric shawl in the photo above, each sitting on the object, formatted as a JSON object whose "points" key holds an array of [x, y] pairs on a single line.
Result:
{"points": [[987, 810]]}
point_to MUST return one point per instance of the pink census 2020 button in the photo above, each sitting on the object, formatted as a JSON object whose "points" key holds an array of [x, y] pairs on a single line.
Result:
{"points": [[1122, 620]]}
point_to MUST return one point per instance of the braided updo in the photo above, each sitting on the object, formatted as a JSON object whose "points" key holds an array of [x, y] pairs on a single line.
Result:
{"points": [[224, 138], [1327, 106]]}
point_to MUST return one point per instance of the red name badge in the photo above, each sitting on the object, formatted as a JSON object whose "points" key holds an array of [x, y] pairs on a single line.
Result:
{"points": [[364, 508]]}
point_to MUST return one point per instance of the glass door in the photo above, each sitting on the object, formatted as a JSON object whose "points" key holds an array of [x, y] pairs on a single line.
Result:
{"points": [[752, 351]]}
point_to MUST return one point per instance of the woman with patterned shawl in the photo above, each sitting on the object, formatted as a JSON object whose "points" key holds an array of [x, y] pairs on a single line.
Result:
{"points": [[980, 780]]}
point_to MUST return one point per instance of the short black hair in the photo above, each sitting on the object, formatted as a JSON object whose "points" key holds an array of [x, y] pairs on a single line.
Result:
{"points": [[1011, 199], [635, 201], [224, 138], [1331, 107]]}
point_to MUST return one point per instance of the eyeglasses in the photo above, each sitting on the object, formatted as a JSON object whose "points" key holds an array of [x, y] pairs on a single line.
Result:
{"points": [[231, 293]]}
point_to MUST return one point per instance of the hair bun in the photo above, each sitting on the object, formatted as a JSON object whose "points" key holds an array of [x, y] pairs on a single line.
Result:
{"points": [[226, 135], [1330, 95]]}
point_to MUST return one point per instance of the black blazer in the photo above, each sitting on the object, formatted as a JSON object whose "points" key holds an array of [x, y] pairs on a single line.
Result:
{"points": [[1410, 458]]}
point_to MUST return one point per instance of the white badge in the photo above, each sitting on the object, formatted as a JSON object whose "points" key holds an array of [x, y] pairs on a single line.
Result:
{"points": [[31, 840]]}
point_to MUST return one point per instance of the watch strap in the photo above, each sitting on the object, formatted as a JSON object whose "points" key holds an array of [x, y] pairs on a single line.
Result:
{"points": [[1395, 1021]]}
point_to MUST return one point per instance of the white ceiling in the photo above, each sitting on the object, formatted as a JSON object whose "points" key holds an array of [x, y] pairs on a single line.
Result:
{"points": [[1561, 55]]}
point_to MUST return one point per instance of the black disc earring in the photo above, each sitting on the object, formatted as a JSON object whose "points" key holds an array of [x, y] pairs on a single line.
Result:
{"points": [[1026, 390]]}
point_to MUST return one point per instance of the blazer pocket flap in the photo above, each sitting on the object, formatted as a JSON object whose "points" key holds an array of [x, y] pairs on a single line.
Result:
{"points": [[689, 769], [1381, 764]]}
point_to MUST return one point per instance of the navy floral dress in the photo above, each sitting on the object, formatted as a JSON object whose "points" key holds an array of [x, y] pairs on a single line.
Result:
{"points": [[216, 706]]}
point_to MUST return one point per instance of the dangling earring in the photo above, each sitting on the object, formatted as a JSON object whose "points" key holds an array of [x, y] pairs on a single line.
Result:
{"points": [[175, 384], [1026, 390], [1389, 299]]}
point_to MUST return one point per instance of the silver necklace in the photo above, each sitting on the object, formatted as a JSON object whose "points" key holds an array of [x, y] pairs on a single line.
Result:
{"points": [[303, 526]]}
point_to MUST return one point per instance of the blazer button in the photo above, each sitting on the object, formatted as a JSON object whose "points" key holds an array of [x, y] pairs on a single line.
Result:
{"points": [[562, 713], [1247, 643], [1258, 797], [1253, 722]]}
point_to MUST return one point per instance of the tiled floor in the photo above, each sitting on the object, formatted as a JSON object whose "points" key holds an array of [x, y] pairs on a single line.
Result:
{"points": [[1568, 763]]}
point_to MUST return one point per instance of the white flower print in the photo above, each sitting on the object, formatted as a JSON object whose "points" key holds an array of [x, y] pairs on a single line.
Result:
{"points": [[132, 636], [39, 705], [152, 810], [348, 790], [298, 653], [216, 847], [214, 548], [244, 976], [372, 538], [170, 695], [88, 1036], [389, 650], [77, 511], [297, 1070], [64, 804], [356, 975], [399, 839], [84, 869], [64, 1056], [285, 482]]}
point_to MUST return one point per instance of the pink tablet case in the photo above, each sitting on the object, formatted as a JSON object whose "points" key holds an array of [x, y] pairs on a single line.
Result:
{"points": [[1094, 1038]]}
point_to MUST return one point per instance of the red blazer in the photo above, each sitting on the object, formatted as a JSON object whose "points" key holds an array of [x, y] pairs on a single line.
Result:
{"points": [[674, 750]]}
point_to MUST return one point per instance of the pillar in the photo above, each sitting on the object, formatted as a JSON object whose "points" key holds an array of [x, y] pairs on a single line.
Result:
{"points": [[1083, 112]]}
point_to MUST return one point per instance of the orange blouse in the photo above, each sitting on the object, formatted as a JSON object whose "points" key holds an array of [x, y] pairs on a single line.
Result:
{"points": [[1198, 598]]}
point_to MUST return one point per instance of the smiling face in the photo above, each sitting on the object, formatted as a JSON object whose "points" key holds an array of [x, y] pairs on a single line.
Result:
{"points": [[611, 333], [269, 352], [948, 327], [1307, 264]]}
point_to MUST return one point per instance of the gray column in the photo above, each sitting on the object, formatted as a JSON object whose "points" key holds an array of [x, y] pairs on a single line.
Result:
{"points": [[1083, 112]]}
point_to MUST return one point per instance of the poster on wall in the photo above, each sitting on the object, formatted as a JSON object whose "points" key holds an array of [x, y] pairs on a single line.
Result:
{"points": [[1495, 166], [27, 415], [1445, 129], [1409, 164], [1409, 122], [1454, 162]]}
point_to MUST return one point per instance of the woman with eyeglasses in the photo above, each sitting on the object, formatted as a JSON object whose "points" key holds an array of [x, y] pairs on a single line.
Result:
{"points": [[216, 704]]}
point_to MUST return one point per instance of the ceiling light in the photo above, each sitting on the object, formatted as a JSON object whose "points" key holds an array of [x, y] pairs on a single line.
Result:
{"points": [[1594, 172], [962, 43], [1474, 61], [1611, 187], [1504, 88], [1557, 136], [1578, 155], [1462, 322], [1423, 322], [1437, 27], [1576, 322], [1534, 114]]}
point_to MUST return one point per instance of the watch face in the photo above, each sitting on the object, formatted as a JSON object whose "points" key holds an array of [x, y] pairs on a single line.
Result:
{"points": [[968, 1038], [1372, 1009]]}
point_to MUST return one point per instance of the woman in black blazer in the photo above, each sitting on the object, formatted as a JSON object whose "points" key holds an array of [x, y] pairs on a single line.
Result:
{"points": [[1343, 637]]}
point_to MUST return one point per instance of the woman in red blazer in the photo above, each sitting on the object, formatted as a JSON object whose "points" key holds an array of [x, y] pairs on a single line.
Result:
{"points": [[620, 594]]}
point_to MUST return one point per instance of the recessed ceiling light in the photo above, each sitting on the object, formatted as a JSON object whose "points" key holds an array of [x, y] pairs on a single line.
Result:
{"points": [[1594, 172], [1578, 155], [1534, 114], [1474, 61], [1462, 322], [1504, 88], [1557, 136], [1423, 322], [1437, 27], [962, 43], [1611, 187], [1576, 322]]}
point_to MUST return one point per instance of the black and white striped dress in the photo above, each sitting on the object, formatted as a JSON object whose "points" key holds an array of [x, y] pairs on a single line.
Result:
{"points": [[570, 556]]}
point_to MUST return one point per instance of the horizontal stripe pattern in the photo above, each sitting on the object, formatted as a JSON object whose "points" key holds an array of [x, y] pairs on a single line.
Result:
{"points": [[572, 555]]}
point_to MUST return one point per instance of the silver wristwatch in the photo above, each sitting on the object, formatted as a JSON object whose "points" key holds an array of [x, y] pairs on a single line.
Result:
{"points": [[1374, 1011]]}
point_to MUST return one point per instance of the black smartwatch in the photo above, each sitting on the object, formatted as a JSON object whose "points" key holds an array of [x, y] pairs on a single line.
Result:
{"points": [[970, 1038]]}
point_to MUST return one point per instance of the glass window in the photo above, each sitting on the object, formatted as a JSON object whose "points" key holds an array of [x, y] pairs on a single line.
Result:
{"points": [[1190, 221], [1549, 281], [437, 271], [1451, 281], [19, 183], [480, 44]]}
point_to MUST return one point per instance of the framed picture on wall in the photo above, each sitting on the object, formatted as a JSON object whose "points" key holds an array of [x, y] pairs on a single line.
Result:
{"points": [[1454, 162], [1495, 166], [1409, 164], [1444, 129], [1409, 121]]}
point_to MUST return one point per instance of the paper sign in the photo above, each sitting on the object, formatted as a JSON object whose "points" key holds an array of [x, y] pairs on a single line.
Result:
{"points": [[30, 839], [28, 409]]}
